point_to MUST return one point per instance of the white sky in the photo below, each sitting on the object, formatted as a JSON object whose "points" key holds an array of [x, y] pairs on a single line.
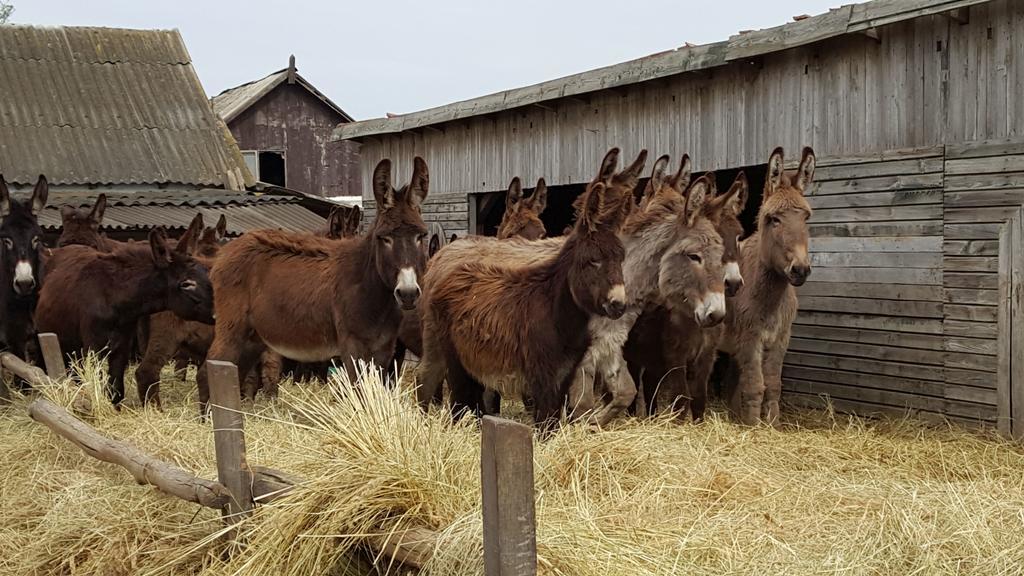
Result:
{"points": [[401, 56]]}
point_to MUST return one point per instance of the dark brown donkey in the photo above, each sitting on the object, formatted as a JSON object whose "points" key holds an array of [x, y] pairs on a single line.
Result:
{"points": [[312, 299], [773, 260], [522, 216], [20, 269], [523, 328], [670, 355], [93, 300], [81, 226]]}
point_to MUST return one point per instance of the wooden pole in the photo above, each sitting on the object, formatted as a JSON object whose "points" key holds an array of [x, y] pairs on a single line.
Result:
{"points": [[52, 357], [146, 469], [506, 481], [31, 374], [229, 438]]}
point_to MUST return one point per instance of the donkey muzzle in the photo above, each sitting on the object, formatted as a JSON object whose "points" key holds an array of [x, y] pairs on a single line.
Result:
{"points": [[711, 310], [798, 274], [614, 309], [407, 289], [24, 281]]}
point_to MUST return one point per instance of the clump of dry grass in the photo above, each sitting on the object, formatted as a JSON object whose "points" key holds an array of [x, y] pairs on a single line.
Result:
{"points": [[826, 495]]}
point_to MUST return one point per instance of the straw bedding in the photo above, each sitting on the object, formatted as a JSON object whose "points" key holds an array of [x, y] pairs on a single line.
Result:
{"points": [[828, 494]]}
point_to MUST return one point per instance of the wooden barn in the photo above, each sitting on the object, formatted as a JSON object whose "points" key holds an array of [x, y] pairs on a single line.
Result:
{"points": [[122, 112], [914, 108], [283, 126]]}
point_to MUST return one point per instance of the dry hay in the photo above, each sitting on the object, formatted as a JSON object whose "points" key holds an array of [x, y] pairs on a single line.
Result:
{"points": [[827, 495]]}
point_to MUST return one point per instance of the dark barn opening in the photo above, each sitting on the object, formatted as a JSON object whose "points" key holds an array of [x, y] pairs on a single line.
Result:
{"points": [[558, 215], [272, 168]]}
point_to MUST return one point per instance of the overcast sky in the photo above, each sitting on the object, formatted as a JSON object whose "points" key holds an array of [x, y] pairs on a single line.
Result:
{"points": [[380, 56]]}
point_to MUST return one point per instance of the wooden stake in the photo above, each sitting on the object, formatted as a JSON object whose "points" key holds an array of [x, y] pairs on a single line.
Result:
{"points": [[52, 357], [31, 374], [506, 481], [229, 439]]}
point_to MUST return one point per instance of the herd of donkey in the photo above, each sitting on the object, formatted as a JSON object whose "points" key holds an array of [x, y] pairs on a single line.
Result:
{"points": [[647, 287]]}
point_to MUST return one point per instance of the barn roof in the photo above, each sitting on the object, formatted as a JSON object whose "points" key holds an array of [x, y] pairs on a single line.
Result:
{"points": [[97, 106], [230, 103], [127, 211], [848, 19]]}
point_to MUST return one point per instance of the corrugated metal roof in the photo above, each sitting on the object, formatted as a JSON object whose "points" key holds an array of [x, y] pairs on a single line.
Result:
{"points": [[233, 101], [108, 106], [143, 211]]}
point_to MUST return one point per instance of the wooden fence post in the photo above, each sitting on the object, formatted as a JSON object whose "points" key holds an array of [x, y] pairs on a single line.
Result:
{"points": [[506, 482], [229, 439], [53, 360]]}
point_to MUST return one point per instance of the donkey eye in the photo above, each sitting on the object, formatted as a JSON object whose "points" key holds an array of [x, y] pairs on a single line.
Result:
{"points": [[596, 263], [421, 238], [35, 242], [8, 243], [386, 240], [187, 285], [774, 220], [696, 258]]}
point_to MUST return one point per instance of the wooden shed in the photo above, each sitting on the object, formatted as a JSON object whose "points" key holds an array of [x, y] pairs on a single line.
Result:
{"points": [[283, 126], [914, 108]]}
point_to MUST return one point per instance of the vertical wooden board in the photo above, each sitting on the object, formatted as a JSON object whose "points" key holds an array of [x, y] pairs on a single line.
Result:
{"points": [[506, 484], [1016, 291], [53, 358], [229, 438]]}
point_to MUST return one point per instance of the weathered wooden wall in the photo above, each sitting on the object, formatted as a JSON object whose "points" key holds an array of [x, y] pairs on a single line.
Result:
{"points": [[292, 120], [448, 210], [925, 82]]}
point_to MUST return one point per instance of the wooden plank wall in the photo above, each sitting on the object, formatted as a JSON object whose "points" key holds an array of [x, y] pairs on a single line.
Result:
{"points": [[448, 210], [924, 82]]}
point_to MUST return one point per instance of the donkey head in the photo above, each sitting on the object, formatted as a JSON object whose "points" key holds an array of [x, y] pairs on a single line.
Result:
{"points": [[82, 225], [522, 215], [690, 270], [595, 275], [723, 211], [343, 222], [187, 283], [399, 234], [22, 237], [211, 239], [679, 181], [783, 217]]}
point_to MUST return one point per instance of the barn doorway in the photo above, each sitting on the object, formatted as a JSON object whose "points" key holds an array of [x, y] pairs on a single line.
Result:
{"points": [[559, 214], [755, 178], [272, 168]]}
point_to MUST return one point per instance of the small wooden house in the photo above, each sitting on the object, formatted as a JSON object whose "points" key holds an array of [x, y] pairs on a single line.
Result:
{"points": [[283, 125], [915, 110], [122, 112]]}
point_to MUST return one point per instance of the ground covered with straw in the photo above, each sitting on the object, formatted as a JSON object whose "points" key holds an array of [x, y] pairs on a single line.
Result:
{"points": [[827, 494]]}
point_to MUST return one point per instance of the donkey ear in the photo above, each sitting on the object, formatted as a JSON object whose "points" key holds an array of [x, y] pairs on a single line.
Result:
{"points": [[383, 192], [657, 174], [696, 197], [593, 207], [515, 193], [222, 227], [740, 189], [682, 178], [97, 211], [419, 184], [631, 174], [335, 223], [434, 246], [355, 216], [774, 178], [805, 174], [539, 198], [188, 241], [158, 244], [453, 238], [5, 198], [39, 195], [608, 166]]}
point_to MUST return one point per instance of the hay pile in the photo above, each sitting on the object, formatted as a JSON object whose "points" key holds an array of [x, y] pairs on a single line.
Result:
{"points": [[828, 495]]}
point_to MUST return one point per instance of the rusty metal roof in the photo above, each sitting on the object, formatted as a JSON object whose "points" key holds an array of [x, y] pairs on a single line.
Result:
{"points": [[233, 101], [142, 211], [100, 106]]}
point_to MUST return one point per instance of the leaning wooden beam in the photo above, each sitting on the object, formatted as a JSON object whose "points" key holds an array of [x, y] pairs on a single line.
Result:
{"points": [[31, 374], [146, 469], [49, 346]]}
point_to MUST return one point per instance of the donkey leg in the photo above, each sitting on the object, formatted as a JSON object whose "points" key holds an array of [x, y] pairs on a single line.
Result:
{"points": [[270, 372], [772, 371], [431, 371], [580, 399], [467, 394], [697, 383], [160, 348], [398, 358], [749, 394], [623, 392], [491, 402], [117, 363]]}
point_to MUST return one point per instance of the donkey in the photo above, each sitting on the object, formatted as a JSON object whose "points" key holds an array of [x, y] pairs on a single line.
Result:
{"points": [[342, 222], [773, 260], [21, 270], [522, 216], [81, 226], [670, 355], [341, 298], [523, 328], [93, 300]]}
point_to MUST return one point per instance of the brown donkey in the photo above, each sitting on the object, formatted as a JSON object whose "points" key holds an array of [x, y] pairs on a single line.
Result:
{"points": [[484, 323], [670, 354], [773, 260], [312, 299], [522, 216], [81, 226], [93, 300]]}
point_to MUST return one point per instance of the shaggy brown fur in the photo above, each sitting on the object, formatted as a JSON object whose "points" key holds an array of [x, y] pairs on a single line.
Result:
{"points": [[521, 329], [81, 226], [773, 260], [670, 355], [93, 300], [311, 299], [522, 216]]}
